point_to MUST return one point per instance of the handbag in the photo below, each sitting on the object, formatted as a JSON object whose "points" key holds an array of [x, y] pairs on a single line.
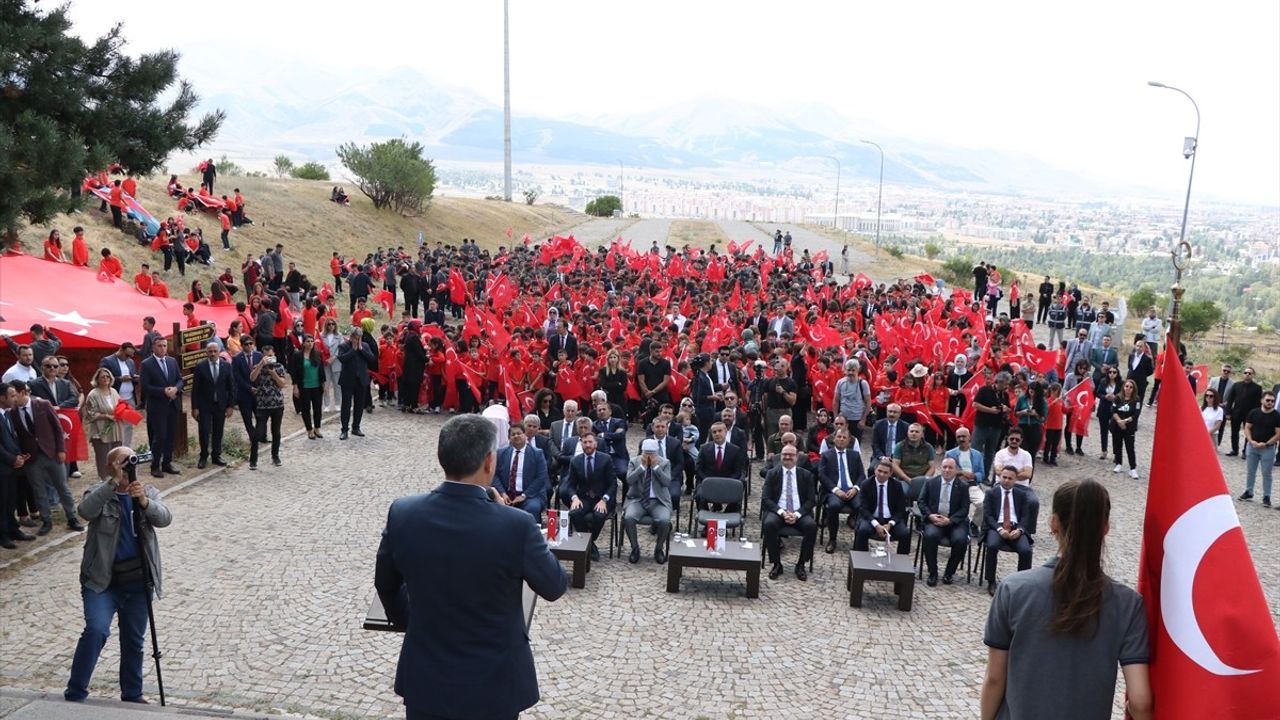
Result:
{"points": [[127, 572]]}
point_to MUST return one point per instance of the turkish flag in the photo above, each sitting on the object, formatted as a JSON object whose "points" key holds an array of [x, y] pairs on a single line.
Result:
{"points": [[925, 279], [1200, 376], [1042, 361], [1083, 401], [1214, 651], [77, 444]]}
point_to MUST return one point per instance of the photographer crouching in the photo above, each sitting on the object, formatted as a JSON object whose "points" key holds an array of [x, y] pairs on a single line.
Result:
{"points": [[113, 578]]}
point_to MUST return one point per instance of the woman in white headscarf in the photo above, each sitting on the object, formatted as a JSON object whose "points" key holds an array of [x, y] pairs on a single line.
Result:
{"points": [[956, 378]]}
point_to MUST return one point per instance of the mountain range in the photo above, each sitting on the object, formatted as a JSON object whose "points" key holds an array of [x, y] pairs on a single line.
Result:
{"points": [[307, 116]]}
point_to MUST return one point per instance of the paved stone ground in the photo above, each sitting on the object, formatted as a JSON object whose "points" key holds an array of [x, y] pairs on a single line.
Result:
{"points": [[268, 574]]}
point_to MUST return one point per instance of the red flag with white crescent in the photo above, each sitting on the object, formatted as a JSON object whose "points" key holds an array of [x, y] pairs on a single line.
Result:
{"points": [[1083, 401], [1213, 645], [77, 444]]}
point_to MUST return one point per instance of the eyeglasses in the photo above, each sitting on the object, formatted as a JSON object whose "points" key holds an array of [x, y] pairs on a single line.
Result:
{"points": [[1248, 372]]}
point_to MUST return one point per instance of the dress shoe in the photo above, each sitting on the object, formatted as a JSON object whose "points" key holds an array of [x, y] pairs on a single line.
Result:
{"points": [[1266, 500], [23, 537], [319, 436], [201, 464], [357, 433], [831, 547], [932, 581], [991, 589], [157, 474], [776, 572], [660, 556], [801, 573], [171, 470], [1247, 495], [28, 522], [948, 579], [343, 436], [276, 462], [635, 556], [253, 466], [138, 700], [8, 544], [45, 529], [595, 553], [219, 462], [75, 526]]}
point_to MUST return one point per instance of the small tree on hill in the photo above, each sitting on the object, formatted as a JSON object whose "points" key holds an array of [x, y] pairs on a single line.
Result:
{"points": [[530, 197], [932, 250], [229, 168], [310, 171], [283, 166], [1143, 299], [1199, 316], [393, 174], [604, 206], [67, 109]]}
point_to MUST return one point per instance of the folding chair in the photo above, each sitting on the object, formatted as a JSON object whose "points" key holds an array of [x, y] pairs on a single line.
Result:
{"points": [[717, 491]]}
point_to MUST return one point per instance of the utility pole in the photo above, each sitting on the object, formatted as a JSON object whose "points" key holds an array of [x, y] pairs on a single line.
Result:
{"points": [[622, 178], [506, 102]]}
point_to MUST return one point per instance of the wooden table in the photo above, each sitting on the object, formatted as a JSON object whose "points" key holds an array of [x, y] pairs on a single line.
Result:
{"points": [[375, 618], [733, 557], [863, 567], [574, 549]]}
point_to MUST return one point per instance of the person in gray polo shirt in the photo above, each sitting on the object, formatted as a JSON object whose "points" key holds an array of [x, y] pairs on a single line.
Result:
{"points": [[1056, 633]]}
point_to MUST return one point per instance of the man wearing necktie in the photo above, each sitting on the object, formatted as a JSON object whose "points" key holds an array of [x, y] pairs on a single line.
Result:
{"points": [[944, 503], [212, 402], [882, 512], [788, 501], [840, 471], [648, 496], [162, 384], [1009, 522], [589, 489], [521, 475], [12, 460]]}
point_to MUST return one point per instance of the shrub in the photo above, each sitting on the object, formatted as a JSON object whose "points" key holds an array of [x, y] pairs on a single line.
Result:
{"points": [[604, 206], [310, 171]]}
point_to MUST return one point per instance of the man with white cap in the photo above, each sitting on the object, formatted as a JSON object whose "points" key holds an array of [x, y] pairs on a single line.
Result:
{"points": [[648, 496]]}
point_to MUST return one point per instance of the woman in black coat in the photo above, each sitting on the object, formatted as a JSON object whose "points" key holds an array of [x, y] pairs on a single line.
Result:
{"points": [[415, 365]]}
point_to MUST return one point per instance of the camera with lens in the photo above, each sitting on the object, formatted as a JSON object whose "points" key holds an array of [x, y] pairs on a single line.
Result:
{"points": [[139, 458]]}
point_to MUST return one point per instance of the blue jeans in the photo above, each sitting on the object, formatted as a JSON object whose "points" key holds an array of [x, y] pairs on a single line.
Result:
{"points": [[1253, 458], [131, 603]]}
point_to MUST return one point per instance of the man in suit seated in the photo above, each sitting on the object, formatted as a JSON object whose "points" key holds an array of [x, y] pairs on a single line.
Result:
{"points": [[882, 510], [840, 471], [735, 433], [944, 503], [1009, 522], [448, 537], [719, 457], [788, 499], [969, 468], [562, 429], [533, 432], [670, 449], [521, 475], [887, 433], [611, 437], [792, 439], [773, 444], [589, 490], [572, 447], [648, 495]]}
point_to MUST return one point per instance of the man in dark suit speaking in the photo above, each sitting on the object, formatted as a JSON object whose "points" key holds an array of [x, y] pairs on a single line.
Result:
{"points": [[451, 571]]}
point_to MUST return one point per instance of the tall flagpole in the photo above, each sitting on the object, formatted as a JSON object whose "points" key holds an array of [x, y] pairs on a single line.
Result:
{"points": [[506, 103], [1182, 251]]}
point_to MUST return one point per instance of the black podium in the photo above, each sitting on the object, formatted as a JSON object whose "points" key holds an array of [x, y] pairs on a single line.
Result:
{"points": [[375, 618]]}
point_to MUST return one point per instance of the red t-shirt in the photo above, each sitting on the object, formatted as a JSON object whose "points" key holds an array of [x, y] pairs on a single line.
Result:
{"points": [[117, 200], [111, 265], [1055, 419], [130, 186], [159, 289], [79, 252], [142, 281]]}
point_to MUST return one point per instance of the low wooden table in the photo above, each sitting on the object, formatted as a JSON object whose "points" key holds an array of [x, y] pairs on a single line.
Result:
{"points": [[575, 549], [863, 567], [733, 557]]}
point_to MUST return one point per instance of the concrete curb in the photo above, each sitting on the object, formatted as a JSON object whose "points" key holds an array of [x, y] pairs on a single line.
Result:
{"points": [[35, 704]]}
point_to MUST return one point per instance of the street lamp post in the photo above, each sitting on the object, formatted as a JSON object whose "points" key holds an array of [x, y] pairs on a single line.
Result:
{"points": [[879, 194], [506, 104], [835, 216], [622, 178], [1181, 253]]}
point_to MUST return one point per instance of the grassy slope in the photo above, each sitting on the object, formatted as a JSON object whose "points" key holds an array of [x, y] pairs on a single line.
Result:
{"points": [[297, 214]]}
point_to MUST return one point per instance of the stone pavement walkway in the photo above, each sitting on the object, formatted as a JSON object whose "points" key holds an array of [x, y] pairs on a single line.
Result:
{"points": [[268, 574]]}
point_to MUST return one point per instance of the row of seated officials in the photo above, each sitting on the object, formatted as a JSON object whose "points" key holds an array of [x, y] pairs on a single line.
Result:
{"points": [[877, 505]]}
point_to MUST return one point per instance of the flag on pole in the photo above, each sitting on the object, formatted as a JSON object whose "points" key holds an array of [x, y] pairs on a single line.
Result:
{"points": [[1214, 650]]}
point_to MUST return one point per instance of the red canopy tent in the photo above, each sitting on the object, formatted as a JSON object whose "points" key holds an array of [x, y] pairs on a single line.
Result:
{"points": [[84, 311]]}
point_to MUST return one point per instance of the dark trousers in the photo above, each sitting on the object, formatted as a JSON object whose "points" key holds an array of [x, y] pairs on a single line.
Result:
{"points": [[1052, 438], [1031, 438], [267, 418], [411, 714], [437, 390], [410, 389], [586, 519], [836, 506], [337, 283], [161, 418], [957, 534], [210, 425], [773, 524], [351, 395], [1042, 309], [8, 498], [25, 503], [466, 399], [411, 305], [1236, 423], [987, 441], [995, 543], [1155, 390], [226, 239], [247, 411], [864, 532], [117, 216], [311, 398], [1124, 437]]}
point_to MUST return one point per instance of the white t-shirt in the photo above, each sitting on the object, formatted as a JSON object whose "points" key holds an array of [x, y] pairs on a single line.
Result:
{"points": [[1020, 460], [1212, 416]]}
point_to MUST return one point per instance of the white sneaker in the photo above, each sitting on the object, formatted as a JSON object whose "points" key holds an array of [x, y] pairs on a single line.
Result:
{"points": [[1133, 474], [1117, 468], [77, 475]]}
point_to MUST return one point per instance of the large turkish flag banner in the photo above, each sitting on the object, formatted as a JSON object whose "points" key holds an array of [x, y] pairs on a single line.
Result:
{"points": [[1214, 651], [77, 444], [83, 311]]}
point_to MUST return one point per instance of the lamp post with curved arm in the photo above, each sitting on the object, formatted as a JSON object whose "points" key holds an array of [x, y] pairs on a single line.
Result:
{"points": [[1181, 253], [835, 217], [879, 194]]}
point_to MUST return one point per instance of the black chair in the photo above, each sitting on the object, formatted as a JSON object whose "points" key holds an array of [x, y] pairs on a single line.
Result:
{"points": [[918, 561], [980, 557], [786, 531], [717, 491]]}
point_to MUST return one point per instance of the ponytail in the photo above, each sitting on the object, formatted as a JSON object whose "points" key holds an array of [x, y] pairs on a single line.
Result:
{"points": [[1083, 508]]}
